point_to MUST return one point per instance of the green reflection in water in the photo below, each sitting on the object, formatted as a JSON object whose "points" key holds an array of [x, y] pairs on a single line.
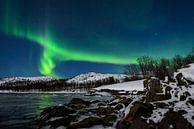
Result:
{"points": [[43, 101]]}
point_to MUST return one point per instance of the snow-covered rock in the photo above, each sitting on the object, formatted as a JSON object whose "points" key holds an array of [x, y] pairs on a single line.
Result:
{"points": [[188, 73]]}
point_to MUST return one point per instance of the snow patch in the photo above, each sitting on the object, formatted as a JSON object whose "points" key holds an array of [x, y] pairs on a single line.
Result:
{"points": [[188, 73], [126, 86]]}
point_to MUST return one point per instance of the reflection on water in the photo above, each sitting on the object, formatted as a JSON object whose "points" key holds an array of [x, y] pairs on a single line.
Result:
{"points": [[17, 111], [44, 100]]}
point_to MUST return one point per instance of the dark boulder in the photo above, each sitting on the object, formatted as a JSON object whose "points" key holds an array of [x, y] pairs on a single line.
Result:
{"points": [[139, 123], [79, 101], [180, 80], [118, 107], [124, 100], [191, 101], [154, 90], [53, 112], [109, 120], [139, 109], [174, 120], [184, 96], [104, 110], [86, 123]]}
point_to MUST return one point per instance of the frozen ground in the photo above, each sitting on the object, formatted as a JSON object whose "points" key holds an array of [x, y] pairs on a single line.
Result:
{"points": [[126, 86]]}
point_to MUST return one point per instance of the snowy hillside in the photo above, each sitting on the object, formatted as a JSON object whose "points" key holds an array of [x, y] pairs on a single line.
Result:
{"points": [[93, 77], [24, 79]]}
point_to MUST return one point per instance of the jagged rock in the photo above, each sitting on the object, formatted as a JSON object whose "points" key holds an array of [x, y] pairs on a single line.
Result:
{"points": [[53, 112], [118, 107], [104, 110], [124, 100], [191, 101], [139, 124], [167, 92], [153, 91], [175, 120], [184, 96], [161, 105], [101, 104], [109, 120], [155, 85], [77, 103], [86, 123], [64, 121], [180, 80], [139, 109], [145, 84]]}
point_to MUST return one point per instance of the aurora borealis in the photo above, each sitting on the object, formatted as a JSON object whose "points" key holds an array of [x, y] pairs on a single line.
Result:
{"points": [[94, 32]]}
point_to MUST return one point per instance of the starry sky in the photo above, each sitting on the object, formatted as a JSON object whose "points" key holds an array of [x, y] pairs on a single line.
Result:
{"points": [[63, 38]]}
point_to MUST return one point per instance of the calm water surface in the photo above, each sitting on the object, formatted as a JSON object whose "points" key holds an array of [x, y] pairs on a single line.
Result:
{"points": [[17, 111]]}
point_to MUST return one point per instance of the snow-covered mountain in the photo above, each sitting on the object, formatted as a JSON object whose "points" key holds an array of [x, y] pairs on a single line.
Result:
{"points": [[93, 77], [25, 79], [82, 81]]}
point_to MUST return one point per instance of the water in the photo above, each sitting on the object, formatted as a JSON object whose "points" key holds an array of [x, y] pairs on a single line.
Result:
{"points": [[17, 111]]}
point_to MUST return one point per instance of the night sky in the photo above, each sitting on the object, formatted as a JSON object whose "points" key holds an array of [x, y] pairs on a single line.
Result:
{"points": [[63, 38]]}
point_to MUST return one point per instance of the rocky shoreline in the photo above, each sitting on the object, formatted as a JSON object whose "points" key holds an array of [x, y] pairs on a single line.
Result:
{"points": [[162, 105]]}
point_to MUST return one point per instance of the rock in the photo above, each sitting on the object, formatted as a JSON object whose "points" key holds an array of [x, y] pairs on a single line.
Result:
{"points": [[86, 123], [139, 109], [182, 112], [161, 105], [79, 101], [140, 92], [180, 80], [184, 96], [145, 84], [176, 120], [191, 101], [53, 112], [64, 121], [154, 87], [104, 110], [109, 120], [126, 101], [154, 91], [139, 124], [118, 107], [167, 92], [101, 104]]}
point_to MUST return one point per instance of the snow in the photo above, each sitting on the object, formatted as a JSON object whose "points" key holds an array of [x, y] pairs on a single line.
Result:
{"points": [[22, 79], [92, 76], [188, 73], [126, 86], [40, 92], [157, 115]]}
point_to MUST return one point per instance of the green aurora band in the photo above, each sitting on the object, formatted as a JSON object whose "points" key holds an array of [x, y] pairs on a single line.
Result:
{"points": [[53, 52]]}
